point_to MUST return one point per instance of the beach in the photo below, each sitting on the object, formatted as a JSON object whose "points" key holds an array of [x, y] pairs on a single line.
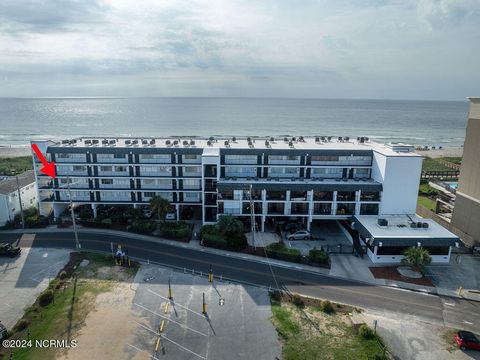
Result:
{"points": [[14, 151]]}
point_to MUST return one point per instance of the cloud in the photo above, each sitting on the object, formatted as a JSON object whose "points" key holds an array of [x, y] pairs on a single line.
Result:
{"points": [[318, 48]]}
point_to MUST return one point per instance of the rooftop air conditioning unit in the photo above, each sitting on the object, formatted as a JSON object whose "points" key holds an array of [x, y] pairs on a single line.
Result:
{"points": [[234, 139], [88, 142], [382, 222], [413, 225], [134, 142], [346, 138], [175, 142], [152, 142], [301, 139], [185, 143], [95, 141], [226, 143], [272, 139], [249, 139], [290, 143], [144, 142], [128, 142], [65, 141], [340, 138], [112, 142], [425, 225], [285, 139], [317, 139], [294, 139], [209, 143], [104, 142], [329, 138], [267, 143], [168, 142], [192, 142], [211, 138]]}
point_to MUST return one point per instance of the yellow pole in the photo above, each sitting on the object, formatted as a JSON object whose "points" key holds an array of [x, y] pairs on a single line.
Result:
{"points": [[157, 345], [166, 307], [162, 326], [204, 305], [210, 274]]}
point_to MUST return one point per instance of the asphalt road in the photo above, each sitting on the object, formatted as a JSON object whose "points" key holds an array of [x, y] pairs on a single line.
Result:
{"points": [[451, 312]]}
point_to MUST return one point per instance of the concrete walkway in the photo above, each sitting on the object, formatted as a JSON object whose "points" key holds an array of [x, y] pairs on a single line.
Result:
{"points": [[347, 267]]}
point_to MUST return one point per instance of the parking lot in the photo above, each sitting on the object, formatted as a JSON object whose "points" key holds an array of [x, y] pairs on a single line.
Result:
{"points": [[324, 233], [23, 278], [236, 324]]}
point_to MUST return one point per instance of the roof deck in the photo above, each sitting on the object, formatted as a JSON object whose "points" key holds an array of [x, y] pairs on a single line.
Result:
{"points": [[259, 143]]}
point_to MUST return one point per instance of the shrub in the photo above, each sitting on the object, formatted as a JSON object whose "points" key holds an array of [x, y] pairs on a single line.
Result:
{"points": [[365, 332], [175, 230], [143, 226], [106, 221], [281, 252], [21, 325], [318, 256], [327, 307], [229, 225], [45, 298], [213, 237], [297, 300], [63, 275], [276, 295], [236, 242], [215, 240]]}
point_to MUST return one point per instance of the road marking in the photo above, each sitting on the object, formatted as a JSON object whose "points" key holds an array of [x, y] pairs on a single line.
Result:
{"points": [[175, 303], [170, 320], [467, 322], [140, 350], [337, 287], [449, 304]]}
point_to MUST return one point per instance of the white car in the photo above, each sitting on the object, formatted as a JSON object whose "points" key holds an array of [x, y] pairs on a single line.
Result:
{"points": [[300, 235]]}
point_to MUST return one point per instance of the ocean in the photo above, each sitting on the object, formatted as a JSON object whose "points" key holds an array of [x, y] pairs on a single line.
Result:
{"points": [[432, 123]]}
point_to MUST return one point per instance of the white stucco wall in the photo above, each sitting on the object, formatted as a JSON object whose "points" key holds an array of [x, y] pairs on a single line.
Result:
{"points": [[10, 205], [400, 176]]}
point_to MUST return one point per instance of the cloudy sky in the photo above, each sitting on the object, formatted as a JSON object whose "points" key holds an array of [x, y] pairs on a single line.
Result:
{"points": [[425, 49]]}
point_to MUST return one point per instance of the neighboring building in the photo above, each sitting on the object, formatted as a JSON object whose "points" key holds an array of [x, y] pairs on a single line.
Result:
{"points": [[311, 179], [466, 213], [389, 236], [9, 200]]}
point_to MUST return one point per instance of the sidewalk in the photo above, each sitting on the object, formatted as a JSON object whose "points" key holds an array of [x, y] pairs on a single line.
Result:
{"points": [[345, 267]]}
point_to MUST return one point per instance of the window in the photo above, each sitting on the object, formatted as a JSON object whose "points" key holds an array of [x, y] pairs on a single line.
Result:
{"points": [[324, 158], [283, 157], [120, 168], [106, 181], [192, 169], [190, 157], [106, 168], [149, 194], [119, 156], [79, 168]]}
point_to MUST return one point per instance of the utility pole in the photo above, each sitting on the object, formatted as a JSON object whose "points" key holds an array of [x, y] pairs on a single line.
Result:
{"points": [[77, 244], [20, 201], [252, 218]]}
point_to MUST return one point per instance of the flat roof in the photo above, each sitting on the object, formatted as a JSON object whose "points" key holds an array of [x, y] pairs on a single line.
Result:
{"points": [[9, 185], [399, 232], [262, 143]]}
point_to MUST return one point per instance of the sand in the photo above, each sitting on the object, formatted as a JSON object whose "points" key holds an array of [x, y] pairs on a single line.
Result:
{"points": [[445, 152], [12, 152]]}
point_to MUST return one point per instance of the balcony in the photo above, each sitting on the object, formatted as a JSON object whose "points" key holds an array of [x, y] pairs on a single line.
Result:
{"points": [[276, 208], [346, 196], [322, 209], [322, 196], [298, 195], [345, 209], [369, 209], [370, 196], [299, 209], [246, 208], [256, 195], [276, 195]]}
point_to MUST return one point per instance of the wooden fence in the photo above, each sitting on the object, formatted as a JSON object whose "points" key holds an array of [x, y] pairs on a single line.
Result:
{"points": [[444, 175]]}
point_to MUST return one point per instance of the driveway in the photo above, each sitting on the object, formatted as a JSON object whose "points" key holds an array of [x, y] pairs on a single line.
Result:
{"points": [[23, 278]]}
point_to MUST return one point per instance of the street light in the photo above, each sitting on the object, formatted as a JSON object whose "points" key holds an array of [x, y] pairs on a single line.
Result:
{"points": [[77, 244]]}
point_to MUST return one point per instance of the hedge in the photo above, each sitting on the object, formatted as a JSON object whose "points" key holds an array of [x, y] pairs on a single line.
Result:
{"points": [[212, 237], [318, 256], [281, 252], [175, 230]]}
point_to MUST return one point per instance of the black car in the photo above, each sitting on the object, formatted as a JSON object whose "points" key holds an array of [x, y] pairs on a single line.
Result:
{"points": [[291, 227], [9, 250]]}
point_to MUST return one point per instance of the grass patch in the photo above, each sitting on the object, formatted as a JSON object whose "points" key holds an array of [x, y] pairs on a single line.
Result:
{"points": [[308, 333], [427, 202], [74, 297], [454, 160], [448, 337], [15, 166], [430, 164]]}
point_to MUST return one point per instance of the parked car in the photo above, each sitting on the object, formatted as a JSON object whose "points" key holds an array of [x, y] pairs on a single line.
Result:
{"points": [[3, 331], [9, 250], [467, 340], [300, 235], [171, 216], [291, 227]]}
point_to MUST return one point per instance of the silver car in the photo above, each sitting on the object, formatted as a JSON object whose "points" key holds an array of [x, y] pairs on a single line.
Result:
{"points": [[300, 235]]}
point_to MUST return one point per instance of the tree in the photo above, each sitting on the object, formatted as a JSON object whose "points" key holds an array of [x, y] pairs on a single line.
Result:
{"points": [[229, 225], [417, 257], [160, 206]]}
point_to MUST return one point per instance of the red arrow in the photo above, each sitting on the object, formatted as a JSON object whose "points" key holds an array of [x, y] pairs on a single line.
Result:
{"points": [[48, 168]]}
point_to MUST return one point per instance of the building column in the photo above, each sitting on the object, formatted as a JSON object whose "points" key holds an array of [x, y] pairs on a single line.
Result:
{"points": [[262, 225], [357, 202], [94, 208], [334, 203], [177, 210]]}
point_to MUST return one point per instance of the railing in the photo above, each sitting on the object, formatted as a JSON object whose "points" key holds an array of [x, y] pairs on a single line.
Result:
{"points": [[447, 174]]}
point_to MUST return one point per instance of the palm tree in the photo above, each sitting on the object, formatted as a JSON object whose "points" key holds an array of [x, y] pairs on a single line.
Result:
{"points": [[229, 225], [417, 257], [160, 206]]}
